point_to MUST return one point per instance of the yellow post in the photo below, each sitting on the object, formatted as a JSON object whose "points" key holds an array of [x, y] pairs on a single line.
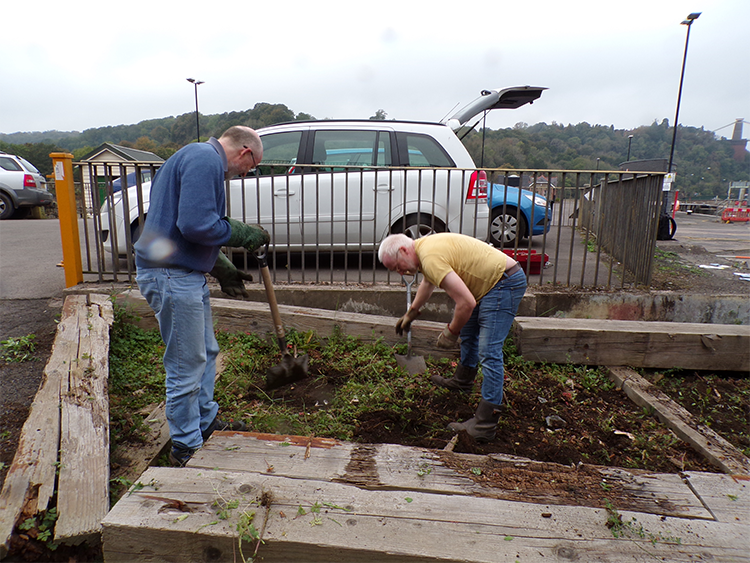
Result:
{"points": [[66, 207]]}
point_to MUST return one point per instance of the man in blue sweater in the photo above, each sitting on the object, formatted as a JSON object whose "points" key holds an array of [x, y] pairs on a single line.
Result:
{"points": [[185, 228]]}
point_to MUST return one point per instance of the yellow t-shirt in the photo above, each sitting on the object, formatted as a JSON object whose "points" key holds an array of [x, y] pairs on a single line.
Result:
{"points": [[478, 264]]}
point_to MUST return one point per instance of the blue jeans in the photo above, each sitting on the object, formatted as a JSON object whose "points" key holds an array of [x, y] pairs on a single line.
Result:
{"points": [[180, 300], [483, 336]]}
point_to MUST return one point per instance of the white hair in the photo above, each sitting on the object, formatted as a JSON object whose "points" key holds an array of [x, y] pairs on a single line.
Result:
{"points": [[391, 245]]}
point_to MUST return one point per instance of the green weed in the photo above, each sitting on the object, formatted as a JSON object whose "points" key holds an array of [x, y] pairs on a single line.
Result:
{"points": [[19, 349], [41, 527]]}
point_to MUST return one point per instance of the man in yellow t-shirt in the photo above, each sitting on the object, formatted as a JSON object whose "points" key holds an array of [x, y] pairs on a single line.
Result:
{"points": [[486, 286]]}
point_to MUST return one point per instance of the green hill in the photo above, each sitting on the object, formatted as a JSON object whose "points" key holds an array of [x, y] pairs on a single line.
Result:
{"points": [[705, 163]]}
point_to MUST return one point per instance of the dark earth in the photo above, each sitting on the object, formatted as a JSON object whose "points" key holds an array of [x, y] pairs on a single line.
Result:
{"points": [[520, 432]]}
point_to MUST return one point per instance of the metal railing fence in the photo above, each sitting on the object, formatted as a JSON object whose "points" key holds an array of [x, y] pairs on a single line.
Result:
{"points": [[593, 229]]}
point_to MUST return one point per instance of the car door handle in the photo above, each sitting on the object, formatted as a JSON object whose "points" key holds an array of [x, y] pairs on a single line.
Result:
{"points": [[383, 188], [283, 193]]}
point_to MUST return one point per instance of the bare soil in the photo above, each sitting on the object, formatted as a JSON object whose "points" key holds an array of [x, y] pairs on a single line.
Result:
{"points": [[593, 425], [19, 381]]}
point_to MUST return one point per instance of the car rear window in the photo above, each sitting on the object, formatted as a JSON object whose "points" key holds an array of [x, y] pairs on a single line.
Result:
{"points": [[423, 150], [28, 166]]}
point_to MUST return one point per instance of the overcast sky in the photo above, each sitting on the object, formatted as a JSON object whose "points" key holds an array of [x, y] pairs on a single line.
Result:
{"points": [[88, 64]]}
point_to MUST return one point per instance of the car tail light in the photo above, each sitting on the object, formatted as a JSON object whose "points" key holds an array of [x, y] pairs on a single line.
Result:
{"points": [[28, 181], [477, 185]]}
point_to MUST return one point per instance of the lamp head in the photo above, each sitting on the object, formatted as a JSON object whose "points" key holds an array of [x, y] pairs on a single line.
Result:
{"points": [[690, 18]]}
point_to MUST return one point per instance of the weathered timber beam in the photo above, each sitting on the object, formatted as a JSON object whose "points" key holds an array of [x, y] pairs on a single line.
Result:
{"points": [[394, 467], [250, 316], [83, 481], [633, 343], [705, 441], [31, 477], [179, 521]]}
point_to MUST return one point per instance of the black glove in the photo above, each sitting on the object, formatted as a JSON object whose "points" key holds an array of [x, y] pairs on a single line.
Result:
{"points": [[404, 323], [250, 237], [230, 278]]}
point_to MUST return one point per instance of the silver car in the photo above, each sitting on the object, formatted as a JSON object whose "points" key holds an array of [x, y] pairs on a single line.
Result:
{"points": [[345, 185], [22, 187]]}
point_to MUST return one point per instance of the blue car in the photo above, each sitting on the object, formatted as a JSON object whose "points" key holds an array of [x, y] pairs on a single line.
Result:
{"points": [[508, 223]]}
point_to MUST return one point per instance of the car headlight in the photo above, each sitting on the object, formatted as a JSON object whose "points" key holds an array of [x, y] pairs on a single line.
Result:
{"points": [[537, 199]]}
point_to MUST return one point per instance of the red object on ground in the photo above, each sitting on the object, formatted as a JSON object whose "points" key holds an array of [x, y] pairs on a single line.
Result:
{"points": [[737, 213], [523, 258]]}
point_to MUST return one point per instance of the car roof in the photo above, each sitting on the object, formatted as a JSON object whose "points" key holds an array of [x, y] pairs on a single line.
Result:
{"points": [[357, 123]]}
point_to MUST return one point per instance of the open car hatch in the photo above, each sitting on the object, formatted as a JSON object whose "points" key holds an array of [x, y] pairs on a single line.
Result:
{"points": [[507, 98]]}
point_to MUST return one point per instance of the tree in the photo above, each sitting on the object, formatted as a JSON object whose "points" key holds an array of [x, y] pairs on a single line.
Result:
{"points": [[380, 115]]}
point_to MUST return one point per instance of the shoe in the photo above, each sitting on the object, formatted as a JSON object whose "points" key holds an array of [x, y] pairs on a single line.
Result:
{"points": [[219, 424], [462, 380], [179, 456], [483, 426]]}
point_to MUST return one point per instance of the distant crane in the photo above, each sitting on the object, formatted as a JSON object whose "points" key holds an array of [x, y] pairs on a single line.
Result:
{"points": [[738, 143]]}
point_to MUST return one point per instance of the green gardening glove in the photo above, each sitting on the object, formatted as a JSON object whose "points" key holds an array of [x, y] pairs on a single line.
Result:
{"points": [[230, 278], [250, 237]]}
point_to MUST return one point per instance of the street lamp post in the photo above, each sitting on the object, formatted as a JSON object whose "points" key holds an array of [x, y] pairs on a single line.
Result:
{"points": [[688, 22], [197, 120], [630, 140]]}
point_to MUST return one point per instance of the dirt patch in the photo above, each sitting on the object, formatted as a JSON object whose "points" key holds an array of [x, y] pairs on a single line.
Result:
{"points": [[20, 381], [567, 423], [679, 267]]}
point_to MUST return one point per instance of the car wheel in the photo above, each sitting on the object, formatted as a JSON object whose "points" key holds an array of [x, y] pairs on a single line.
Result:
{"points": [[419, 225], [507, 226], [6, 206]]}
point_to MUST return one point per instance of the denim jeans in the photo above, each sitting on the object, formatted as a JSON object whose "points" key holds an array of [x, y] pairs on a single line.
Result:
{"points": [[180, 300], [483, 336]]}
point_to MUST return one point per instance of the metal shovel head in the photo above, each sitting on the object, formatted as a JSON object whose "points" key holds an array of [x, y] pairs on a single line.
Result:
{"points": [[411, 363], [290, 369]]}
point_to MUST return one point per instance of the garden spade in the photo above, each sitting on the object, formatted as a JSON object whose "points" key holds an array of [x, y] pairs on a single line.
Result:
{"points": [[410, 362], [291, 368]]}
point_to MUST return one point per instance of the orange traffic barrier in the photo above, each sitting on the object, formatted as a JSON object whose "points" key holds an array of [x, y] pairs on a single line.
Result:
{"points": [[737, 213]]}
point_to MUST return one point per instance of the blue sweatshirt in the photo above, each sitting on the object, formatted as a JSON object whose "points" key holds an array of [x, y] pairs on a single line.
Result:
{"points": [[185, 226]]}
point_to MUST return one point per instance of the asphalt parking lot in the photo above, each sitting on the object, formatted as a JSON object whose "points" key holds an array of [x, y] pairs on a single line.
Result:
{"points": [[723, 239]]}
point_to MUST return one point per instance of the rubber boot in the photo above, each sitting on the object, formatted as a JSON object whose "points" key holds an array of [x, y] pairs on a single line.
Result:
{"points": [[462, 380], [483, 426]]}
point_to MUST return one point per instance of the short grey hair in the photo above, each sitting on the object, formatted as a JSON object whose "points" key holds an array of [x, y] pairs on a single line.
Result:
{"points": [[240, 136], [391, 244]]}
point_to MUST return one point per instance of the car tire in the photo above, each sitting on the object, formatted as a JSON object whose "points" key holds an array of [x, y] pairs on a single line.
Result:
{"points": [[7, 210], [507, 226], [419, 225]]}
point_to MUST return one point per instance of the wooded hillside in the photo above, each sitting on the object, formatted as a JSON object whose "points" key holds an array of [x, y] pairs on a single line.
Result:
{"points": [[704, 161]]}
